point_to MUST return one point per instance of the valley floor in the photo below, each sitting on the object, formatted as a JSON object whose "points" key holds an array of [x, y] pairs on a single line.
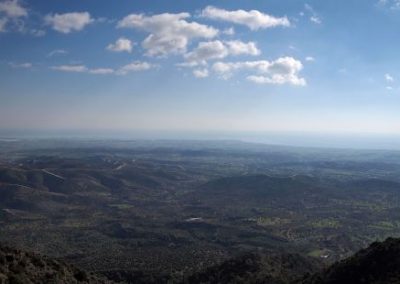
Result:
{"points": [[170, 210]]}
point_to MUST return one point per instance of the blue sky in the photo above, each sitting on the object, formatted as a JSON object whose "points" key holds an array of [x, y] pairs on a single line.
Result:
{"points": [[314, 66]]}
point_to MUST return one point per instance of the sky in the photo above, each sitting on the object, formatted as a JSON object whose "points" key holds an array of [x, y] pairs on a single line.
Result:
{"points": [[327, 66]]}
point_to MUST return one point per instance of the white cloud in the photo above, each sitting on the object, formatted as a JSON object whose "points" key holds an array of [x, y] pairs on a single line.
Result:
{"points": [[284, 70], [69, 22], [12, 18], [278, 79], [253, 19], [310, 59], [218, 50], [389, 78], [71, 68], [101, 71], [187, 64], [13, 9], [169, 33], [389, 88], [57, 52], [25, 65], [237, 47], [200, 73], [121, 45], [206, 51], [135, 66]]}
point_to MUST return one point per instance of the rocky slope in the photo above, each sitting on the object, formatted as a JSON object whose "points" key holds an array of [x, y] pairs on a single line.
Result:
{"points": [[377, 264], [18, 266]]}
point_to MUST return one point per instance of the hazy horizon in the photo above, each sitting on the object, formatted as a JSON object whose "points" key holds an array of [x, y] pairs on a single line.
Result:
{"points": [[296, 139]]}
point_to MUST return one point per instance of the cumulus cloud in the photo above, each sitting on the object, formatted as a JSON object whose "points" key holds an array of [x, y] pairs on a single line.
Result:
{"points": [[310, 59], [135, 66], [284, 70], [121, 45], [11, 12], [69, 22], [200, 73], [220, 49], [237, 47], [13, 18], [389, 78], [13, 9], [253, 19], [169, 33], [206, 51], [278, 79]]}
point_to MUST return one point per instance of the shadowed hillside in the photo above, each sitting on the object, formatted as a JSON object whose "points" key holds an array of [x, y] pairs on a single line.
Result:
{"points": [[377, 264], [271, 268], [19, 267]]}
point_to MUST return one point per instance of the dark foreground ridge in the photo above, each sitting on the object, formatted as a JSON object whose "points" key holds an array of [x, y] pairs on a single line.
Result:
{"points": [[255, 268], [20, 267], [377, 264]]}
